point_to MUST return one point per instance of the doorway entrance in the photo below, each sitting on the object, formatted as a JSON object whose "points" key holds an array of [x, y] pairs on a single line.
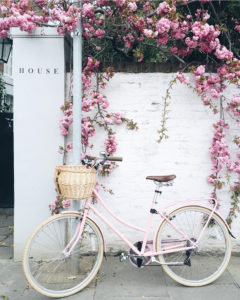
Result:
{"points": [[6, 160]]}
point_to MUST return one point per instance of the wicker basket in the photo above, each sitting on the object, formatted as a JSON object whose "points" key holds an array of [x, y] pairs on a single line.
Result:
{"points": [[75, 182]]}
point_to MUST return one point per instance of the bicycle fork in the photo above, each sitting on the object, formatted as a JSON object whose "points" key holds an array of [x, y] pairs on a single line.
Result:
{"points": [[76, 236]]}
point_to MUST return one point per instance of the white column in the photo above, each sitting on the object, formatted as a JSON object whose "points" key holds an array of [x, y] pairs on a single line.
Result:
{"points": [[38, 73]]}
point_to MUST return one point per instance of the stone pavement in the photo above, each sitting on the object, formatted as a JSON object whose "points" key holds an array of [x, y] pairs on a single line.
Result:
{"points": [[116, 281], [6, 236]]}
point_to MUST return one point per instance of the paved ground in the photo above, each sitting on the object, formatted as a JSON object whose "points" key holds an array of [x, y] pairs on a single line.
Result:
{"points": [[116, 281]]}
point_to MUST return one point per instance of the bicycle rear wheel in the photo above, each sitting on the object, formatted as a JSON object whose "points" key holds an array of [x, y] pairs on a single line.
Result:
{"points": [[200, 266], [46, 267]]}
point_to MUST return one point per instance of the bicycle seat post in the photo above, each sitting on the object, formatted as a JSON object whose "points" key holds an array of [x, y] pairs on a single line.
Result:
{"points": [[157, 192]]}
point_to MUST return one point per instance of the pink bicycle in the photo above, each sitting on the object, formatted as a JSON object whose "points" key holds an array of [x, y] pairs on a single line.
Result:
{"points": [[192, 244]]}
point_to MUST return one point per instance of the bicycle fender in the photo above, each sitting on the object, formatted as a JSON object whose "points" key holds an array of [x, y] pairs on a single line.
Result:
{"points": [[226, 224], [220, 217]]}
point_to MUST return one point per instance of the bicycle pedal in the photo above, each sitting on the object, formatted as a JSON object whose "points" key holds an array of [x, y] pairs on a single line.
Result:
{"points": [[123, 257]]}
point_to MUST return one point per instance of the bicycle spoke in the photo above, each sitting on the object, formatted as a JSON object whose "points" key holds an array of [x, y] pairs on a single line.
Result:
{"points": [[200, 265], [46, 265]]}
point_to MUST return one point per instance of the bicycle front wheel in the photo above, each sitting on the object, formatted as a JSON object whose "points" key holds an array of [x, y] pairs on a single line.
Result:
{"points": [[199, 266], [46, 267]]}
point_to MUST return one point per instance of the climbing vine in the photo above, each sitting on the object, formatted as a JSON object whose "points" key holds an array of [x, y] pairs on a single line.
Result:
{"points": [[201, 36]]}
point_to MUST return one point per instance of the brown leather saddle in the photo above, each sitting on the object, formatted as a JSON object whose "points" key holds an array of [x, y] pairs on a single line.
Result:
{"points": [[165, 178]]}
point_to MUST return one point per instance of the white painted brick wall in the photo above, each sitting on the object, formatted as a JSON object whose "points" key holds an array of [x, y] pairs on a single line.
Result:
{"points": [[185, 153]]}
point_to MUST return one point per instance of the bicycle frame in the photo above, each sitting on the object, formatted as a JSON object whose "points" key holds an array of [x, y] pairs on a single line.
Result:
{"points": [[144, 251]]}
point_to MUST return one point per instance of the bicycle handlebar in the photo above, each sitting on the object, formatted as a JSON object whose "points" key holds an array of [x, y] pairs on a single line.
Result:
{"points": [[111, 158]]}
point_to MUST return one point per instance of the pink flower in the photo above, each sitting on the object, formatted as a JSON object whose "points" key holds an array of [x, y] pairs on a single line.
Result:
{"points": [[99, 33], [163, 25], [182, 78], [132, 6], [163, 39], [118, 118], [237, 27], [164, 8], [64, 131], [69, 147], [200, 70], [53, 206], [120, 2], [148, 33], [108, 120], [174, 50], [191, 43], [111, 144], [66, 203], [215, 94], [223, 53], [88, 9], [206, 100]]}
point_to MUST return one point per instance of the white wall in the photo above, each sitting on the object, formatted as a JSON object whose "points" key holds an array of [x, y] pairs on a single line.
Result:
{"points": [[185, 153], [37, 98], [38, 75]]}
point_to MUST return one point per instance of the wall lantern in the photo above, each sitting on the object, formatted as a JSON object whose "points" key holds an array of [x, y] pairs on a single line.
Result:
{"points": [[5, 49]]}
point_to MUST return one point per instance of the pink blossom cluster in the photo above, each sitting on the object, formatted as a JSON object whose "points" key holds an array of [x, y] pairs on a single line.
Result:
{"points": [[96, 98], [58, 205], [17, 17], [62, 150], [182, 78], [120, 2], [223, 53], [204, 36], [177, 30], [25, 15], [219, 151], [164, 26], [68, 17], [118, 118], [165, 8], [90, 68], [148, 33], [234, 105], [111, 144], [208, 86], [66, 121], [88, 10], [88, 130], [220, 155], [230, 71], [201, 34], [132, 6], [92, 101], [114, 118], [107, 168]]}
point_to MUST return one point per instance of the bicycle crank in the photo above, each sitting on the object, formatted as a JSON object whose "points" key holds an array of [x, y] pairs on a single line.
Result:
{"points": [[136, 260]]}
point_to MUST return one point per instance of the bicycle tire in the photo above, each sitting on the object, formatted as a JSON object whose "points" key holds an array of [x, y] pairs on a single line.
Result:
{"points": [[204, 266], [46, 268]]}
